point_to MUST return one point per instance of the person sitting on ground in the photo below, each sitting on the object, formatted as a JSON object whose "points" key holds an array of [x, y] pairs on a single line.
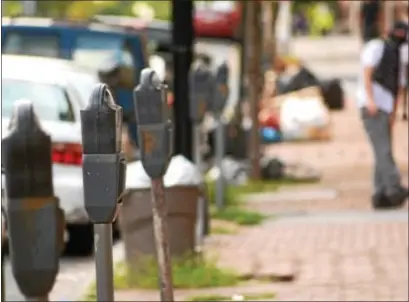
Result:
{"points": [[380, 85]]}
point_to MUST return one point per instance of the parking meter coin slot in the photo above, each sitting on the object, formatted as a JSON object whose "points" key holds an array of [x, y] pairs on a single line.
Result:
{"points": [[101, 177], [35, 243], [101, 123], [155, 145]]}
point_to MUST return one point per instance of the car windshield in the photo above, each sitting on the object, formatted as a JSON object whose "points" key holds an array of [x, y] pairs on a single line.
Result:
{"points": [[97, 52], [50, 101]]}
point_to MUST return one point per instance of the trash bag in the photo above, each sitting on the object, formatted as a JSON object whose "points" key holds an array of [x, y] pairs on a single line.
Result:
{"points": [[302, 79], [271, 168], [333, 94], [181, 172], [234, 172], [304, 119]]}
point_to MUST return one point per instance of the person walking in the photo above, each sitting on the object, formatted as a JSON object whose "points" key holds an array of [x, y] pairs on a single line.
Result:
{"points": [[380, 85]]}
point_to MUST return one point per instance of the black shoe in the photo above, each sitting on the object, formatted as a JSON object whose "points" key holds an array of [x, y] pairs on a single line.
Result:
{"points": [[380, 201], [399, 198]]}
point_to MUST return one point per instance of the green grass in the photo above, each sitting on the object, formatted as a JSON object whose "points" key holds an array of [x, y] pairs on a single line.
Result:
{"points": [[221, 230], [234, 194], [238, 215], [249, 297], [234, 210], [188, 272]]}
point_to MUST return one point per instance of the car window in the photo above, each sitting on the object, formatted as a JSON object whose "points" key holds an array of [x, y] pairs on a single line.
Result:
{"points": [[84, 84], [31, 44], [50, 101], [100, 53]]}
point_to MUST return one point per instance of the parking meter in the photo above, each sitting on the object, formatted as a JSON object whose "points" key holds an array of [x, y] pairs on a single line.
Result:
{"points": [[222, 89], [201, 91], [155, 140], [219, 103], [153, 124], [103, 172], [201, 88], [35, 220]]}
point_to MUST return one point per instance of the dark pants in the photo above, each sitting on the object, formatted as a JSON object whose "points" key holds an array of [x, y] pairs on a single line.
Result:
{"points": [[386, 174]]}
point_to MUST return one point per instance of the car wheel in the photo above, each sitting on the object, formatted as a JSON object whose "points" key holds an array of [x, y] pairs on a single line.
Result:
{"points": [[80, 239]]}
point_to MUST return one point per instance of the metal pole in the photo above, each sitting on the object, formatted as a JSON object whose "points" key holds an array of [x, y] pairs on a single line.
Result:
{"points": [[161, 238], [197, 140], [104, 262], [219, 153], [3, 292]]}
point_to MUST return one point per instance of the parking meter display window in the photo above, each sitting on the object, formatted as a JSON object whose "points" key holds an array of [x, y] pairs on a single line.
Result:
{"points": [[101, 123]]}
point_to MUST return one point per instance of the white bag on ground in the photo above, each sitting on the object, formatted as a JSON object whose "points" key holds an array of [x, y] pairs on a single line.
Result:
{"points": [[180, 172], [304, 119]]}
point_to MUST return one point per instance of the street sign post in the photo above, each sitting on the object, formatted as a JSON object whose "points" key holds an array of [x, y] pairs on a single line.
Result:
{"points": [[218, 104], [35, 220], [156, 140], [104, 179]]}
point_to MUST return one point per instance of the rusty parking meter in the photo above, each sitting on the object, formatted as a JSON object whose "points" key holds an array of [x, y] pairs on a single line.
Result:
{"points": [[35, 220], [155, 140], [103, 172], [201, 82], [219, 103]]}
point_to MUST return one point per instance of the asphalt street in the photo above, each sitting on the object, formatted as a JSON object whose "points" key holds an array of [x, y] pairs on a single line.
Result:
{"points": [[76, 273]]}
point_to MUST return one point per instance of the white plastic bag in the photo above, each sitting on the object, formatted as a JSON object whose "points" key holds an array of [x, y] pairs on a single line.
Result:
{"points": [[303, 118], [180, 172]]}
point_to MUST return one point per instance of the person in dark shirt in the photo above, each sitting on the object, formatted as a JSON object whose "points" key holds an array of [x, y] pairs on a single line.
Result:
{"points": [[370, 15]]}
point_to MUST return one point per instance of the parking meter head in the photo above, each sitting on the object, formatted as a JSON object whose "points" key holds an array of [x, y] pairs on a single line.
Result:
{"points": [[26, 155], [221, 91], [150, 99], [201, 91], [102, 169], [154, 124], [34, 218], [101, 123]]}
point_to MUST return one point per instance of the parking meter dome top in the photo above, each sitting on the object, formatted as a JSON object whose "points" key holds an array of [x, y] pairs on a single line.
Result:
{"points": [[101, 96], [24, 115], [149, 78]]}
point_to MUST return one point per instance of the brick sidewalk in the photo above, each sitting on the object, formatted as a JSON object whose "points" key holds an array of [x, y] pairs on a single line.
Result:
{"points": [[323, 250]]}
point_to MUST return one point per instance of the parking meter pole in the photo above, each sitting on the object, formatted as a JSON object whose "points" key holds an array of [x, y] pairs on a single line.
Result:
{"points": [[197, 140], [220, 100], [162, 239], [103, 173], [155, 141], [201, 93], [35, 220], [104, 261], [219, 153], [3, 281]]}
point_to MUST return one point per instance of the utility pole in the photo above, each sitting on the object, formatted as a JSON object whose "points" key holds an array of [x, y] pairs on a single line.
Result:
{"points": [[254, 48], [182, 50]]}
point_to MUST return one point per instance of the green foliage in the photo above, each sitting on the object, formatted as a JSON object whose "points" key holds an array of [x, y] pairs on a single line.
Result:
{"points": [[188, 272]]}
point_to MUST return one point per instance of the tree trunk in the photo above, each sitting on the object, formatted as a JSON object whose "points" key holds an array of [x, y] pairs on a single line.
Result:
{"points": [[254, 44]]}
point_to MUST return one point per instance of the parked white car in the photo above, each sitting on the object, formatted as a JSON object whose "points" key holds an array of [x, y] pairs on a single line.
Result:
{"points": [[58, 90]]}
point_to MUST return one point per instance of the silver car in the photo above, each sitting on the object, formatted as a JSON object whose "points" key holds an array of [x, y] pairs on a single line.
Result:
{"points": [[58, 90]]}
